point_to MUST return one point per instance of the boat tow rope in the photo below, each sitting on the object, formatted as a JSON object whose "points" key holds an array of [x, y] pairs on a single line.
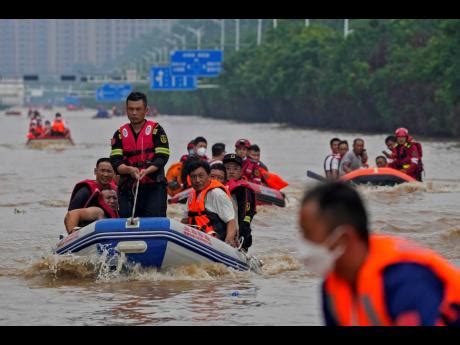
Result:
{"points": [[135, 201]]}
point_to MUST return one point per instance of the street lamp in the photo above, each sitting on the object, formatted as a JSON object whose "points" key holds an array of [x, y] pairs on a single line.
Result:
{"points": [[182, 38], [237, 35], [307, 22], [259, 31], [222, 32], [346, 31], [198, 34], [275, 23]]}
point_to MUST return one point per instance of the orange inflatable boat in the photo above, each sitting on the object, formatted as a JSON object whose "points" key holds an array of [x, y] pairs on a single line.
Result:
{"points": [[377, 176]]}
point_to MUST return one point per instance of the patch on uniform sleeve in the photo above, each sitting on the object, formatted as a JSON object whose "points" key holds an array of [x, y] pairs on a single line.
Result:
{"points": [[163, 139], [155, 131]]}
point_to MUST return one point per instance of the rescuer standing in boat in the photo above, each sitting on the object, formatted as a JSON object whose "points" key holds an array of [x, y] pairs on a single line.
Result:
{"points": [[140, 150]]}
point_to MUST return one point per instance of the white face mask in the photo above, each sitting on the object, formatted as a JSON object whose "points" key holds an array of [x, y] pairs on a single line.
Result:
{"points": [[201, 151], [318, 258]]}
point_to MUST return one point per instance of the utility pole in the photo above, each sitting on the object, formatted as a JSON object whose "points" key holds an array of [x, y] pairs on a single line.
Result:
{"points": [[307, 22], [275, 23]]}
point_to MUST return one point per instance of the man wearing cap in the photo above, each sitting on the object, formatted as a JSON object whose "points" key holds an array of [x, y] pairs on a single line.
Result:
{"points": [[241, 148], [244, 197]]}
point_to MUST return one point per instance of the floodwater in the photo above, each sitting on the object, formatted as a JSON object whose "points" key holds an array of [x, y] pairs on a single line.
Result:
{"points": [[38, 288]]}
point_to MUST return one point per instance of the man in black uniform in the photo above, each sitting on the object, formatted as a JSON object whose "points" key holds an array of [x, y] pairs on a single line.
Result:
{"points": [[244, 196], [140, 150]]}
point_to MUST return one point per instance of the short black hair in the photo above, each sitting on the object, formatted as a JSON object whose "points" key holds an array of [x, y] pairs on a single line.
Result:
{"points": [[218, 149], [137, 96], [102, 160], [340, 204], [221, 167], [200, 140], [332, 141], [385, 158], [357, 139], [199, 164], [254, 148], [343, 142], [390, 138]]}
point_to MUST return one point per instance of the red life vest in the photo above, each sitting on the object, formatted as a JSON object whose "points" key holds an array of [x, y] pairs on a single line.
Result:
{"points": [[138, 153], [366, 306], [93, 186], [198, 215], [251, 171], [99, 202]]}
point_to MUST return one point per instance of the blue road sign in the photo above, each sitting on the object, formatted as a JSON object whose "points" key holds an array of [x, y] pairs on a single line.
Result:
{"points": [[200, 63], [113, 92], [161, 79]]}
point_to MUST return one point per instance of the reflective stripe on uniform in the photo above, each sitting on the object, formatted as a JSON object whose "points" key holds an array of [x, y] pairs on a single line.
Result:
{"points": [[414, 160], [162, 150], [247, 219], [116, 152]]}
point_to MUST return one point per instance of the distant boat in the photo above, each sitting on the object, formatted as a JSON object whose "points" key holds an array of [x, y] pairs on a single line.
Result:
{"points": [[73, 107], [102, 114], [13, 112], [49, 142]]}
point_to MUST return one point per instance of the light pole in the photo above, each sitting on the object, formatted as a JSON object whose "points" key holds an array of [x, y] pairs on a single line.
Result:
{"points": [[259, 31], [198, 33], [237, 35], [346, 31], [307, 22], [183, 39], [222, 32], [275, 23]]}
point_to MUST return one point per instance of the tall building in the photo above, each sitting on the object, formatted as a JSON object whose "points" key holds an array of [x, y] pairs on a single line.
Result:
{"points": [[66, 46]]}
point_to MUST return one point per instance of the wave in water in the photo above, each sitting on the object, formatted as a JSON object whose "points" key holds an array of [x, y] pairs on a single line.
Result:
{"points": [[68, 268]]}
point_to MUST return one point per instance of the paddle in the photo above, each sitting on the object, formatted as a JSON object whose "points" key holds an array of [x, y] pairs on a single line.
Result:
{"points": [[315, 176]]}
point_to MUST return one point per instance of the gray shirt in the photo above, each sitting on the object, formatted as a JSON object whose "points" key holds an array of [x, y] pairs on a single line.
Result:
{"points": [[354, 160]]}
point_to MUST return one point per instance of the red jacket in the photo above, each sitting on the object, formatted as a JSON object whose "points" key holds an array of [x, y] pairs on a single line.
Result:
{"points": [[406, 158]]}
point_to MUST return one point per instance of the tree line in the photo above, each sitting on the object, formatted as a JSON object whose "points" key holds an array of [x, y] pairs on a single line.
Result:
{"points": [[385, 74]]}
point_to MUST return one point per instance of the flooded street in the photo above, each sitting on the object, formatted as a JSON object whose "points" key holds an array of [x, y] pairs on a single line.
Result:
{"points": [[38, 288]]}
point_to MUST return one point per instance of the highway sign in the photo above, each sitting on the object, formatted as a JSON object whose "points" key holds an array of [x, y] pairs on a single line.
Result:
{"points": [[200, 63], [161, 79], [113, 92]]}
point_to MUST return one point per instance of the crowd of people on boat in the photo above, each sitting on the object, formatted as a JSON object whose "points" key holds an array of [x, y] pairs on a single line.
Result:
{"points": [[39, 129], [221, 198], [403, 153]]}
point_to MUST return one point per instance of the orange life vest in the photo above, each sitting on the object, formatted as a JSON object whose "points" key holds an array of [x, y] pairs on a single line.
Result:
{"points": [[367, 306], [174, 174], [272, 180], [58, 126], [198, 215], [138, 153]]}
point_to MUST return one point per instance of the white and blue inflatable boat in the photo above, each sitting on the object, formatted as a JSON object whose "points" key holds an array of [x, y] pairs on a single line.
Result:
{"points": [[154, 242]]}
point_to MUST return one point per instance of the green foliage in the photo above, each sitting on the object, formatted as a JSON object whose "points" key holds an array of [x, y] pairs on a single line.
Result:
{"points": [[385, 74]]}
